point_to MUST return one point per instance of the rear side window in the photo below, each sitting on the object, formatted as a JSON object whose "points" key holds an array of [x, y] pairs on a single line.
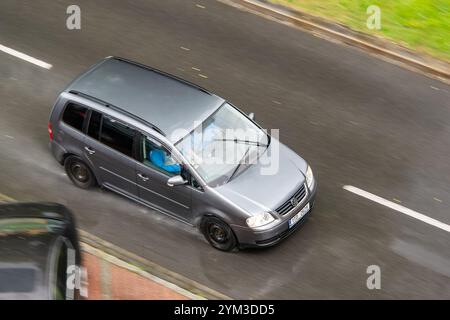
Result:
{"points": [[74, 116], [117, 136], [94, 125]]}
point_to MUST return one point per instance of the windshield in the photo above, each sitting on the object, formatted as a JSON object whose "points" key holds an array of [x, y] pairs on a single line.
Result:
{"points": [[222, 143], [29, 226]]}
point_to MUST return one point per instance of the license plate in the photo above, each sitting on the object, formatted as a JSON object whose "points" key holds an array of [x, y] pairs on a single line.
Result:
{"points": [[298, 216]]}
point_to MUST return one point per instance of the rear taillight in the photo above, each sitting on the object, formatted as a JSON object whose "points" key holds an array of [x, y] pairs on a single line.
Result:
{"points": [[50, 131]]}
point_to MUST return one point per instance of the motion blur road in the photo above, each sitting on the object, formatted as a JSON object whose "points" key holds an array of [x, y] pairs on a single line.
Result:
{"points": [[357, 119]]}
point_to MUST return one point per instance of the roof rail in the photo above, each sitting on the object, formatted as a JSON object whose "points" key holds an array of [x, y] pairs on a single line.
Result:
{"points": [[196, 86], [115, 108]]}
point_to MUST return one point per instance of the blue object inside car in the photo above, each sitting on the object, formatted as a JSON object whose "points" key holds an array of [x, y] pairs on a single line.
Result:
{"points": [[158, 158]]}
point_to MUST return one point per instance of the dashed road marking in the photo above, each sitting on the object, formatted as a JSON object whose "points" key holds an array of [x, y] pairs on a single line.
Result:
{"points": [[196, 69], [399, 208], [25, 57], [200, 6], [185, 49], [202, 76]]}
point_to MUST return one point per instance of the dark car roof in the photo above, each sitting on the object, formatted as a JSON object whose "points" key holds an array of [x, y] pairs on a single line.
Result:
{"points": [[25, 246], [167, 102]]}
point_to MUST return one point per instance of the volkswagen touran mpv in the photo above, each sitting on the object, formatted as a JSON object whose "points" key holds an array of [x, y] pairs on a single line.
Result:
{"points": [[179, 149]]}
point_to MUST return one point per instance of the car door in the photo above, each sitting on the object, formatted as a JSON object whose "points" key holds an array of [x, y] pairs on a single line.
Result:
{"points": [[152, 183], [109, 148]]}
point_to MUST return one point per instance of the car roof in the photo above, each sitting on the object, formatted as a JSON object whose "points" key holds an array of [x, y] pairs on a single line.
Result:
{"points": [[26, 243], [165, 101]]}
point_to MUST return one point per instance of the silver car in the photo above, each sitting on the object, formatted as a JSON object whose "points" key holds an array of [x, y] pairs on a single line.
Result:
{"points": [[179, 149]]}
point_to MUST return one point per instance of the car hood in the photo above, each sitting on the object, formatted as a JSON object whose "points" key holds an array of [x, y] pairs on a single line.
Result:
{"points": [[256, 192]]}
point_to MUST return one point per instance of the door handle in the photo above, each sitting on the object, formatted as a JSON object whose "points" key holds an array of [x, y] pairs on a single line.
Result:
{"points": [[89, 150], [143, 177]]}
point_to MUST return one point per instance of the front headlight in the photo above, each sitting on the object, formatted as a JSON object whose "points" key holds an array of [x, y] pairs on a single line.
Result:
{"points": [[309, 178], [259, 220]]}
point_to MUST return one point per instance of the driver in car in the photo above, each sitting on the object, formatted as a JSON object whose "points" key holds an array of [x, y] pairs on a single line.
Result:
{"points": [[158, 158]]}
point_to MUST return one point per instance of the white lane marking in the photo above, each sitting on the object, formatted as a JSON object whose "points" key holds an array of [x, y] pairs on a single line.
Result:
{"points": [[185, 49], [399, 208], [202, 76], [25, 57], [200, 6]]}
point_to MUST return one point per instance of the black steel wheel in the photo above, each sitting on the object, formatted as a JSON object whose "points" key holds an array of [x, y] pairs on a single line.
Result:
{"points": [[218, 234], [79, 172]]}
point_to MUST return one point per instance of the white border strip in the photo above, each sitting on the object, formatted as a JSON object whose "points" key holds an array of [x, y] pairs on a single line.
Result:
{"points": [[5, 198], [399, 208], [25, 57]]}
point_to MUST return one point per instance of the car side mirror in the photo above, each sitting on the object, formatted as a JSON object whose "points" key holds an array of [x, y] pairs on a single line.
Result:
{"points": [[251, 115], [176, 181]]}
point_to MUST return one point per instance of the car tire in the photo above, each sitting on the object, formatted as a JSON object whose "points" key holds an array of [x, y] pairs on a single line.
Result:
{"points": [[219, 234], [79, 172]]}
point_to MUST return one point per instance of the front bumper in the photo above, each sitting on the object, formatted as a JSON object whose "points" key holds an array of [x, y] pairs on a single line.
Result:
{"points": [[248, 237]]}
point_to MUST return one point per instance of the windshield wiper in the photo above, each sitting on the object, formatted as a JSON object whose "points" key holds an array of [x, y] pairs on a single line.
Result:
{"points": [[238, 166], [254, 143]]}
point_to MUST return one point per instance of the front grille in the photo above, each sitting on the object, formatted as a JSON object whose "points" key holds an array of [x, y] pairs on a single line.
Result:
{"points": [[290, 204]]}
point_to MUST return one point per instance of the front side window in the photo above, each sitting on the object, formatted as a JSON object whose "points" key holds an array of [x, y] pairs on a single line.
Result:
{"points": [[156, 156], [74, 116], [117, 136]]}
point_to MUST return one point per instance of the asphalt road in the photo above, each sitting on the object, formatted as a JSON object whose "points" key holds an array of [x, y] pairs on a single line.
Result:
{"points": [[357, 119]]}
